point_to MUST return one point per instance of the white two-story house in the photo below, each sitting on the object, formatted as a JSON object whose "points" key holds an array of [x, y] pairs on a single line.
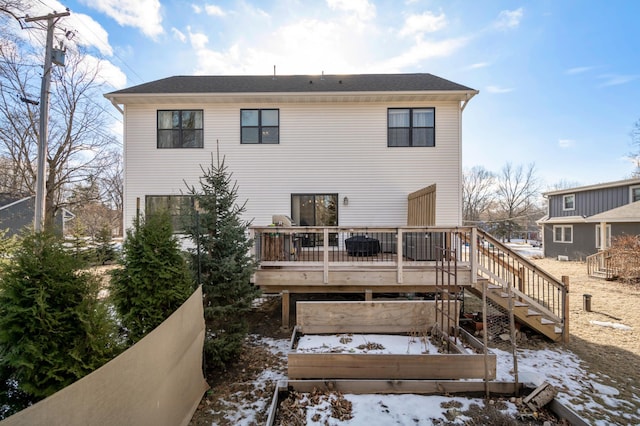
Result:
{"points": [[324, 149]]}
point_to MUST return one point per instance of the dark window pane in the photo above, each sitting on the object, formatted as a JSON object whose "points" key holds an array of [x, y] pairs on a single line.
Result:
{"points": [[422, 137], [249, 117], [192, 119], [399, 118], [168, 138], [270, 135], [399, 137], [423, 117], [168, 120], [270, 117], [250, 135], [192, 138]]}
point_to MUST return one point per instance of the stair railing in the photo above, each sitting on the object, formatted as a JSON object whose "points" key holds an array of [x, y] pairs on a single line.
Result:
{"points": [[600, 264], [505, 267]]}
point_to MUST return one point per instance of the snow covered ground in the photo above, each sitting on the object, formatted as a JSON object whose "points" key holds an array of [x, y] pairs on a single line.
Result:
{"points": [[584, 392]]}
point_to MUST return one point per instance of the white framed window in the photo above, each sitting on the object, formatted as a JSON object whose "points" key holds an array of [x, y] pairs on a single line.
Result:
{"points": [[569, 202], [598, 242], [634, 193], [562, 233]]}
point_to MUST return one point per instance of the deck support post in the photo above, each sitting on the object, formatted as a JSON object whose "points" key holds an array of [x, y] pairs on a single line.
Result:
{"points": [[285, 309], [399, 255], [368, 295], [565, 311]]}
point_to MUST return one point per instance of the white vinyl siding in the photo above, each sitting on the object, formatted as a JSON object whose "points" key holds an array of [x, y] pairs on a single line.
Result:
{"points": [[324, 148]]}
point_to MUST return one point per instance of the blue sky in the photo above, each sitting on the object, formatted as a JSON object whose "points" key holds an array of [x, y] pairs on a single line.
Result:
{"points": [[559, 81]]}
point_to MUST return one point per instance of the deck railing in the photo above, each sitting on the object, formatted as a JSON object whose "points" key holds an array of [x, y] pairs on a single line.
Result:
{"points": [[600, 264], [505, 267], [355, 246]]}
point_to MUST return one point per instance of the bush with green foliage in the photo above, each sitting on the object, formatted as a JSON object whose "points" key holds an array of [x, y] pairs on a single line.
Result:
{"points": [[53, 328], [154, 279], [104, 249], [223, 263]]}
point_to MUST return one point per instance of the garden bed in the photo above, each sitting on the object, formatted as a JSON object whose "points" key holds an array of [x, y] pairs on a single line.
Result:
{"points": [[381, 340]]}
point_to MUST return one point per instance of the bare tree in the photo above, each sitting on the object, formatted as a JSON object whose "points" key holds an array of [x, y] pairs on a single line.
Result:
{"points": [[634, 156], [478, 191], [78, 146], [517, 190]]}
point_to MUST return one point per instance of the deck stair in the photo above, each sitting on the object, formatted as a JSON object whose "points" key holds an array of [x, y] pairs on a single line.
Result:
{"points": [[539, 300], [524, 313]]}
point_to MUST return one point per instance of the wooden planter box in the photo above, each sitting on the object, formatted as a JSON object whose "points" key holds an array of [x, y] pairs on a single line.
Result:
{"points": [[381, 317]]}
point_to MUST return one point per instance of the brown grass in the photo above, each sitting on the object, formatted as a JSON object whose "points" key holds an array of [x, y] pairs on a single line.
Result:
{"points": [[606, 351]]}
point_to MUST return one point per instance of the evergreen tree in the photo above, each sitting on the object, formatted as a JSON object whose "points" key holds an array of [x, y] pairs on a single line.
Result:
{"points": [[154, 279], [53, 327], [224, 263]]}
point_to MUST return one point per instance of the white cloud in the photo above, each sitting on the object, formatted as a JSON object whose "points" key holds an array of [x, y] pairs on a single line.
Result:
{"points": [[198, 40], [196, 9], [508, 19], [178, 34], [424, 23], [362, 8], [214, 10], [142, 14], [479, 65], [424, 49], [578, 70], [616, 79], [88, 32], [566, 143], [498, 89]]}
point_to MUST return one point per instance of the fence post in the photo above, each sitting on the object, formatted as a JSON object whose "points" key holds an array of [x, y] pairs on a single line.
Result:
{"points": [[565, 306]]}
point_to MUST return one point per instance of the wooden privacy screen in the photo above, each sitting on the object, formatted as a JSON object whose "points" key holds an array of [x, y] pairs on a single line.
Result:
{"points": [[421, 210], [158, 381]]}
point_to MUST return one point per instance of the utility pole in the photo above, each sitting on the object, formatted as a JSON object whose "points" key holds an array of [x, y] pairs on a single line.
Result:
{"points": [[52, 19]]}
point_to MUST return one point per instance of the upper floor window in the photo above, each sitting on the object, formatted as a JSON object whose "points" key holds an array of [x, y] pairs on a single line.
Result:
{"points": [[411, 127], [563, 233], [569, 202], [259, 126], [180, 129], [635, 193]]}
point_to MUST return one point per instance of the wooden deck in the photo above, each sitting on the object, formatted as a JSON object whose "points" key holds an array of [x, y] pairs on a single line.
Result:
{"points": [[403, 260]]}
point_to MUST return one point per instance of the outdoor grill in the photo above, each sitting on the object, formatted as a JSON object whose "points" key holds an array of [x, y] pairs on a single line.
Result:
{"points": [[361, 245]]}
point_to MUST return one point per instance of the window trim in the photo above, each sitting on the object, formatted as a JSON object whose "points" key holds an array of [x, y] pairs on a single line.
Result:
{"points": [[631, 189], [564, 202], [598, 246], [158, 129], [259, 126], [411, 128], [563, 240]]}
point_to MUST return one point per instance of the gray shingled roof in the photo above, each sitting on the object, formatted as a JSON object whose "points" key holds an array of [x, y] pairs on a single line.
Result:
{"points": [[295, 83]]}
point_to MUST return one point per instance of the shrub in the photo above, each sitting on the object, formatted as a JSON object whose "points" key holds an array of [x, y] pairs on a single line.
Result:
{"points": [[154, 279], [625, 257], [53, 328], [223, 264]]}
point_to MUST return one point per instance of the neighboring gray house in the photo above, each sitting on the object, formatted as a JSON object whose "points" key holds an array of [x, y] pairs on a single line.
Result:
{"points": [[16, 214], [579, 219]]}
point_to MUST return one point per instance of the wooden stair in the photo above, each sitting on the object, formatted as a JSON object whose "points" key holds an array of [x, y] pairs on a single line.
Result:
{"points": [[523, 312]]}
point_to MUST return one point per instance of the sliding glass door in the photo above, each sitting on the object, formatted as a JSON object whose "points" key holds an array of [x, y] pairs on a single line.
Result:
{"points": [[315, 210]]}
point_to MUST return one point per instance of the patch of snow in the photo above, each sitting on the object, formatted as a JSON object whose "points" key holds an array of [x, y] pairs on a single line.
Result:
{"points": [[611, 324]]}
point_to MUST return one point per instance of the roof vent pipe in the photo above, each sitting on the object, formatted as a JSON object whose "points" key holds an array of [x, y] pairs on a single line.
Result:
{"points": [[274, 72]]}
